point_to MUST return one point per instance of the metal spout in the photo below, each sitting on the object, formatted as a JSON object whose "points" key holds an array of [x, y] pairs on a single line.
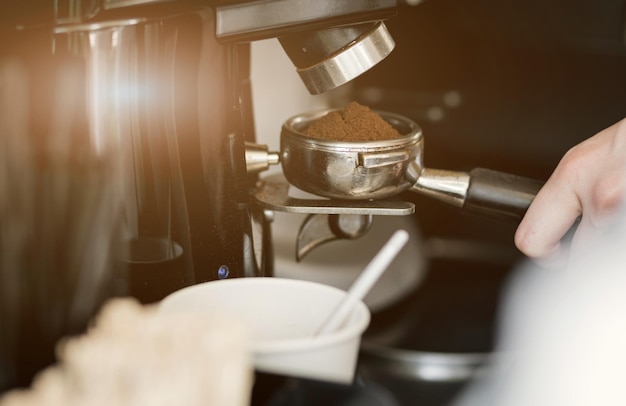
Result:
{"points": [[335, 63], [329, 42]]}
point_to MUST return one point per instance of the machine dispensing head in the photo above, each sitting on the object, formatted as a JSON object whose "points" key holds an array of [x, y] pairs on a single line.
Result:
{"points": [[324, 61], [329, 42]]}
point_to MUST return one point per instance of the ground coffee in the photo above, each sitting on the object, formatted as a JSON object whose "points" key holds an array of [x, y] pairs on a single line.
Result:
{"points": [[354, 122]]}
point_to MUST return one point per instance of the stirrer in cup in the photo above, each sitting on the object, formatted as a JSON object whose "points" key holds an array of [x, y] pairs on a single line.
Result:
{"points": [[366, 280]]}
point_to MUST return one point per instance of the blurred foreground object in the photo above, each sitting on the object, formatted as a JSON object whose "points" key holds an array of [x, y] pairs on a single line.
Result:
{"points": [[135, 355], [563, 331]]}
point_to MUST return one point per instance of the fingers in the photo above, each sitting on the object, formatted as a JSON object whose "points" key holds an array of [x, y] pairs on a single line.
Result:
{"points": [[590, 181], [551, 215], [554, 210]]}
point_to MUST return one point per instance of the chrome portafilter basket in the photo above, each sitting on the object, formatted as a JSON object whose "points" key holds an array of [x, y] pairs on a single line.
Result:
{"points": [[349, 170], [342, 177]]}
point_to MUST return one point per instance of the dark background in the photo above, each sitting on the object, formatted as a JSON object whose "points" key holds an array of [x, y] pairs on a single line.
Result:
{"points": [[534, 78]]}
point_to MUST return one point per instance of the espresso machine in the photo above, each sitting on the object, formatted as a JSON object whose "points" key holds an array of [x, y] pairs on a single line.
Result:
{"points": [[160, 96]]}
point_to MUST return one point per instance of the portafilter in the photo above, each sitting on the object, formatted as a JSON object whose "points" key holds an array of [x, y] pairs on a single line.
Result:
{"points": [[371, 170]]}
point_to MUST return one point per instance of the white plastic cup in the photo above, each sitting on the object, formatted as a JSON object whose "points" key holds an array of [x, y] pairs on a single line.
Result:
{"points": [[282, 317]]}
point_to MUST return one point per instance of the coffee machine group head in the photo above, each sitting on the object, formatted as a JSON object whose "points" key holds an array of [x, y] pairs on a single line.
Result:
{"points": [[329, 42]]}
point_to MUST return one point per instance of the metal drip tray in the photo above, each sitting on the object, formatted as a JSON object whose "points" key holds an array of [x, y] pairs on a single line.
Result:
{"points": [[421, 365]]}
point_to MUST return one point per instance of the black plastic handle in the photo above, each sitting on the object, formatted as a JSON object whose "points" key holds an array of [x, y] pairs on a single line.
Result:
{"points": [[500, 194]]}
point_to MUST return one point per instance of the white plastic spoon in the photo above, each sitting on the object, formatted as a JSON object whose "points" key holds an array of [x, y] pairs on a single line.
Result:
{"points": [[366, 280]]}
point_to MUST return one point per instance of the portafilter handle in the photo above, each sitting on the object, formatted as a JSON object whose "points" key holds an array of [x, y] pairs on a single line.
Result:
{"points": [[482, 191], [500, 194]]}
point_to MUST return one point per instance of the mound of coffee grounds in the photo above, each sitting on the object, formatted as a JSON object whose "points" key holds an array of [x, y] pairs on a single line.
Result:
{"points": [[354, 122]]}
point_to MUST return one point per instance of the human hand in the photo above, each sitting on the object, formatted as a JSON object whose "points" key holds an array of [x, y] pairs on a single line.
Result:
{"points": [[589, 181]]}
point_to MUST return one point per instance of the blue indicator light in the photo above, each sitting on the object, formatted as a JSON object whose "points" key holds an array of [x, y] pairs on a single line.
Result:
{"points": [[223, 272]]}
